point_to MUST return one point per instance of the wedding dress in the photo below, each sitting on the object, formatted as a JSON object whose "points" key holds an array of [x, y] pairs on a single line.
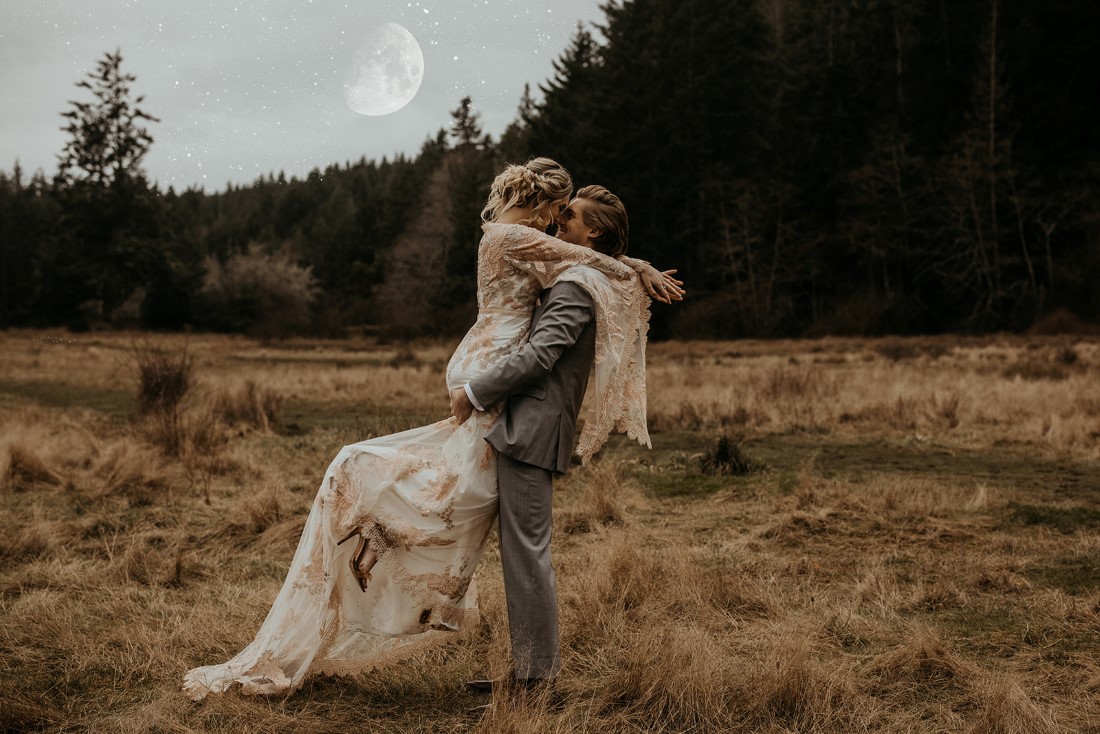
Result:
{"points": [[426, 498]]}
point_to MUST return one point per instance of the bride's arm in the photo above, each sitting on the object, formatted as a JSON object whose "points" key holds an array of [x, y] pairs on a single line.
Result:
{"points": [[659, 284], [548, 257]]}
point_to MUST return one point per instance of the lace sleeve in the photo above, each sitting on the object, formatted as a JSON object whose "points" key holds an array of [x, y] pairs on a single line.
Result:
{"points": [[547, 257], [616, 397], [638, 266]]}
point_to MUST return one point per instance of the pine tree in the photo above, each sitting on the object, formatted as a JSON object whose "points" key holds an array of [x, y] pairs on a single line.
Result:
{"points": [[562, 126], [466, 125], [515, 142], [106, 138], [465, 172], [102, 254]]}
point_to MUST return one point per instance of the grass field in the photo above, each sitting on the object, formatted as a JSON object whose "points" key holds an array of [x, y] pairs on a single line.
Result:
{"points": [[915, 546]]}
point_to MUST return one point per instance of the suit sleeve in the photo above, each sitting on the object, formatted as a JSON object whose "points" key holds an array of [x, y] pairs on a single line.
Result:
{"points": [[568, 310]]}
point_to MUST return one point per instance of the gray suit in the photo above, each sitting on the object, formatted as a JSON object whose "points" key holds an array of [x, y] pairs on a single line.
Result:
{"points": [[543, 383]]}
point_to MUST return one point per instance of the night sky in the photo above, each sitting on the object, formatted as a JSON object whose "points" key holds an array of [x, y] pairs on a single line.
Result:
{"points": [[246, 88]]}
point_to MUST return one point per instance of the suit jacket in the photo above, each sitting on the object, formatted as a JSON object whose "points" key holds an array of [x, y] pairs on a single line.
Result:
{"points": [[544, 381]]}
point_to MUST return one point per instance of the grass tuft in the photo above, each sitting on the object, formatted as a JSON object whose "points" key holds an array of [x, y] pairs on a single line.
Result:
{"points": [[1005, 708], [606, 491], [29, 542], [248, 405], [21, 468], [145, 561], [792, 687], [164, 378], [923, 660], [728, 458], [672, 677], [264, 510], [24, 712], [131, 470], [182, 434]]}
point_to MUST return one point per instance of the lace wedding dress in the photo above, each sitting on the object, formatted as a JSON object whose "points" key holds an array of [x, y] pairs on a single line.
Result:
{"points": [[426, 498]]}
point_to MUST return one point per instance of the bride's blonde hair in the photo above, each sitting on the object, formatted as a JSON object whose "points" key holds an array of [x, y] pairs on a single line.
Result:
{"points": [[537, 183]]}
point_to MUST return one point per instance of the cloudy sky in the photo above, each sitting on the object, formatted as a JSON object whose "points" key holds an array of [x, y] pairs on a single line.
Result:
{"points": [[246, 87]]}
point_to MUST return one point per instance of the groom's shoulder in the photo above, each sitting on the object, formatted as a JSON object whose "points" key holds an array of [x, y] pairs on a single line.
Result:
{"points": [[568, 291]]}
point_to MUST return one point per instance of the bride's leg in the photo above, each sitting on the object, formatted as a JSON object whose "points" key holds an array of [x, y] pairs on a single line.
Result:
{"points": [[364, 557]]}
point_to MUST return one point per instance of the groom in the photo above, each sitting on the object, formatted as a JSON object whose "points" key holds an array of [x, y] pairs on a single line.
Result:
{"points": [[543, 384]]}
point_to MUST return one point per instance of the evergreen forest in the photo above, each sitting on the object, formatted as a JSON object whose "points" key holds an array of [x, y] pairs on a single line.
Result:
{"points": [[811, 167]]}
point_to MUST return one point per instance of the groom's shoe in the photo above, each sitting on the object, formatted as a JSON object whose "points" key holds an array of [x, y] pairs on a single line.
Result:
{"points": [[485, 686], [529, 685]]}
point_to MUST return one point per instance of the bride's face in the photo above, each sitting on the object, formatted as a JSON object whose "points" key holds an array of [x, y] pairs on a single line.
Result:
{"points": [[556, 208], [542, 215]]}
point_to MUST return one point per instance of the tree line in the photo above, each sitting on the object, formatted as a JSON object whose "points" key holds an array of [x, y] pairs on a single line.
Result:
{"points": [[811, 166]]}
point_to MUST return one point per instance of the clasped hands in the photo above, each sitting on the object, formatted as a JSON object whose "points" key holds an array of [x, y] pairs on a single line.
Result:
{"points": [[661, 286], [461, 407]]}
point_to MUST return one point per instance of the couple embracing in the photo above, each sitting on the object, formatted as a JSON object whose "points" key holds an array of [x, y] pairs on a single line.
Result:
{"points": [[385, 565]]}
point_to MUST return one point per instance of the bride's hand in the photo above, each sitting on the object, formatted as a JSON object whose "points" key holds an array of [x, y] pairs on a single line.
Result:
{"points": [[461, 407], [661, 286]]}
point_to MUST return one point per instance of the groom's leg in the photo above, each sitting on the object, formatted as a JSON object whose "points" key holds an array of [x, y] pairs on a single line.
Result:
{"points": [[530, 586]]}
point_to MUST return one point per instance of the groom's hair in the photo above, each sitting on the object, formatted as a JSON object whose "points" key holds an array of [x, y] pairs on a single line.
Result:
{"points": [[607, 214]]}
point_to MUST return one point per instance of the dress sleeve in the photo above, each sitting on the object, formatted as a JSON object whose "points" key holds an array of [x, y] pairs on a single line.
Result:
{"points": [[547, 257], [638, 266]]}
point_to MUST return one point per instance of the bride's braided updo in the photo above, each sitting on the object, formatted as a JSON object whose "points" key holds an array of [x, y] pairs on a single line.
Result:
{"points": [[538, 183]]}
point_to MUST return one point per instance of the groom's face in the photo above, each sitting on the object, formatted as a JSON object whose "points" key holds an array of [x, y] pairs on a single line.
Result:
{"points": [[571, 226]]}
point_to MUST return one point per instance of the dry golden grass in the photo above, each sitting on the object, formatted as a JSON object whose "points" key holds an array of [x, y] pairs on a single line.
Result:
{"points": [[919, 553], [1043, 392]]}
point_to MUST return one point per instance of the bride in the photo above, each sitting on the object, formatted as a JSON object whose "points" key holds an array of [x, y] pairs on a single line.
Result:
{"points": [[385, 564]]}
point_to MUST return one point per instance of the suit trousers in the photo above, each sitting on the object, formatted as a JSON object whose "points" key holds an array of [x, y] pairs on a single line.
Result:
{"points": [[530, 586]]}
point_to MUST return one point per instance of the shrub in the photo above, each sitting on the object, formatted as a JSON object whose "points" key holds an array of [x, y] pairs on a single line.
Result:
{"points": [[164, 378], [1067, 356], [728, 458], [264, 294]]}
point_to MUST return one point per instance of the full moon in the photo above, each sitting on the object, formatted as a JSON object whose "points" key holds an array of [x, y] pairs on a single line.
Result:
{"points": [[385, 72]]}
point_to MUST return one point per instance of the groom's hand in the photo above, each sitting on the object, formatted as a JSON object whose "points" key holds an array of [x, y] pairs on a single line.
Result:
{"points": [[461, 407]]}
